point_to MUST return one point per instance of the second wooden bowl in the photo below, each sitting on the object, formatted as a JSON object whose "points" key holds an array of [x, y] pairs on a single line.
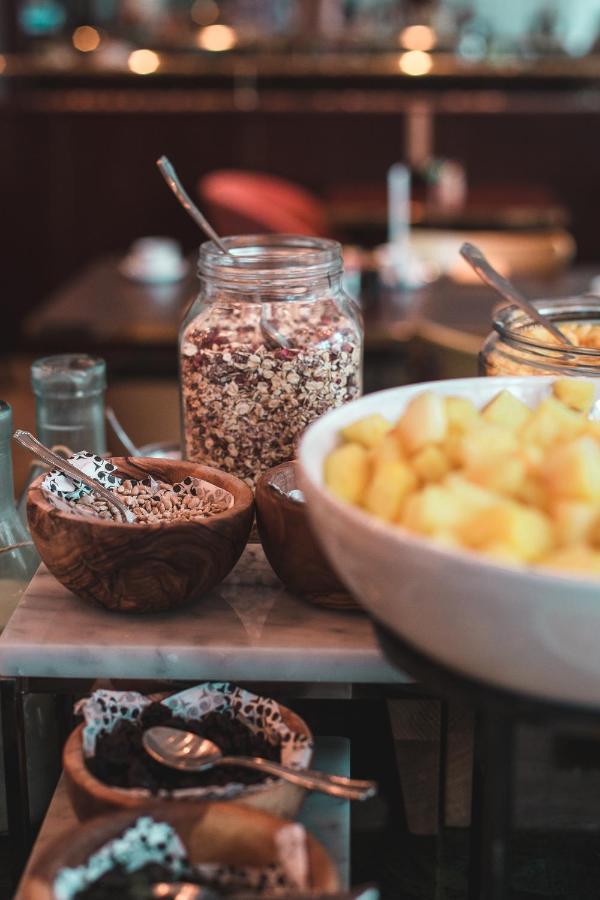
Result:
{"points": [[224, 833], [143, 568], [91, 797], [290, 544]]}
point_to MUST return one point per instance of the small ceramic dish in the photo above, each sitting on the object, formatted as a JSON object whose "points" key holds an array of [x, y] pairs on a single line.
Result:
{"points": [[290, 544], [220, 835], [90, 796], [129, 567]]}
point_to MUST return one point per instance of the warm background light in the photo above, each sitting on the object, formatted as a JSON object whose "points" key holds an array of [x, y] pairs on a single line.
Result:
{"points": [[2, 63], [86, 38], [143, 62], [216, 37], [415, 62], [204, 12], [418, 37]]}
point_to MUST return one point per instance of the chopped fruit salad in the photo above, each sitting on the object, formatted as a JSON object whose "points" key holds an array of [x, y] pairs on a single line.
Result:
{"points": [[520, 485]]}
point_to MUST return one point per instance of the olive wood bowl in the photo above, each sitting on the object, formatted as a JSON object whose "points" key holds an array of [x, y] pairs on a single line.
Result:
{"points": [[226, 833], [142, 568], [91, 797], [290, 544]]}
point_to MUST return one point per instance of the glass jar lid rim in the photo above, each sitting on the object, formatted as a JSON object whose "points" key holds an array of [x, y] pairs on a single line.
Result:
{"points": [[273, 256], [510, 321]]}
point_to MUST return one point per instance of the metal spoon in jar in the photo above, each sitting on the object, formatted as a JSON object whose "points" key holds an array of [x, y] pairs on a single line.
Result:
{"points": [[52, 459], [270, 333], [507, 290], [189, 752]]}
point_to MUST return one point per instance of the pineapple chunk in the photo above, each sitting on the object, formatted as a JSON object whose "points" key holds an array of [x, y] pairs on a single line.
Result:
{"points": [[486, 443], [434, 510], [462, 413], [524, 532], [369, 431], [576, 394], [581, 559], [389, 450], [430, 463], [423, 422], [452, 446], [509, 477], [572, 471], [390, 484], [507, 410], [533, 493], [347, 472], [573, 521], [592, 427], [471, 497], [552, 422]]}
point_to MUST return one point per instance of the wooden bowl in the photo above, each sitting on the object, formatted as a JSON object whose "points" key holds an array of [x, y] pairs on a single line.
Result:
{"points": [[226, 833], [91, 797], [143, 568], [290, 544]]}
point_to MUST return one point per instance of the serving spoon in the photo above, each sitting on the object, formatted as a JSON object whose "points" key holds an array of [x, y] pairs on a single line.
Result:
{"points": [[490, 276], [184, 890], [189, 752], [55, 461], [168, 172]]}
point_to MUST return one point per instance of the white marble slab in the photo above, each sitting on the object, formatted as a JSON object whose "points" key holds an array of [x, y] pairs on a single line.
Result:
{"points": [[248, 629], [327, 818]]}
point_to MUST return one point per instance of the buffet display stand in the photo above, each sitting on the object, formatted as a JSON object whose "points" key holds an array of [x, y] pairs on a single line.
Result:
{"points": [[249, 629]]}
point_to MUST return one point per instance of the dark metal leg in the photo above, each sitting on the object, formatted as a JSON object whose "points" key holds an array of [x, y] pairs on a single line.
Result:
{"points": [[15, 772], [441, 797], [491, 810]]}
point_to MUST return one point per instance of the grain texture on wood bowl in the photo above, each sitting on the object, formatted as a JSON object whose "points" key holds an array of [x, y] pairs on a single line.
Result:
{"points": [[91, 797], [290, 544], [226, 833], [143, 568]]}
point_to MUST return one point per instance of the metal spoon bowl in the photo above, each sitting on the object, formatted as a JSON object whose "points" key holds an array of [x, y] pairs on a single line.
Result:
{"points": [[490, 276], [189, 752]]}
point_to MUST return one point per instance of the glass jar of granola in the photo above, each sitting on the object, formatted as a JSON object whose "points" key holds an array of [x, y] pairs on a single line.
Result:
{"points": [[518, 346], [271, 343]]}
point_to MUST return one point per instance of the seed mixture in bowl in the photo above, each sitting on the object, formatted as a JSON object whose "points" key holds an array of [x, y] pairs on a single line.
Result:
{"points": [[148, 500]]}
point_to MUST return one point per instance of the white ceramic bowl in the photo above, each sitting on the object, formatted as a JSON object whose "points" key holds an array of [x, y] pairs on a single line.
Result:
{"points": [[517, 628]]}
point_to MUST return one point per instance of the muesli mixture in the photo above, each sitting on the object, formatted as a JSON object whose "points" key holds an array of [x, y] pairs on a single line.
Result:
{"points": [[246, 398]]}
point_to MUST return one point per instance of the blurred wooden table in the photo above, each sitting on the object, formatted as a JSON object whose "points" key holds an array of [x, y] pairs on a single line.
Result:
{"points": [[135, 326]]}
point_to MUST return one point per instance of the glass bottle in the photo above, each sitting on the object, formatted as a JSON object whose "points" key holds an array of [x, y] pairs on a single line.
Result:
{"points": [[69, 393], [271, 343], [517, 346], [18, 556]]}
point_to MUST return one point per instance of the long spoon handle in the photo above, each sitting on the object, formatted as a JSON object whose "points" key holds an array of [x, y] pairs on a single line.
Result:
{"points": [[336, 785], [38, 449], [170, 175], [506, 289]]}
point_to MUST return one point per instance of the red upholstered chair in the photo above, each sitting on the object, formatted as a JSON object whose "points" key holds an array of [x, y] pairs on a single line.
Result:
{"points": [[238, 202]]}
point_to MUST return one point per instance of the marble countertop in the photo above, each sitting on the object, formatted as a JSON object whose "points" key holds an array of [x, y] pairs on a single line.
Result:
{"points": [[248, 629]]}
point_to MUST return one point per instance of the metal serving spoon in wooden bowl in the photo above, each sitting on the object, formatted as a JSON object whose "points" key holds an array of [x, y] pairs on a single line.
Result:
{"points": [[183, 890], [490, 276], [189, 752], [48, 456]]}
